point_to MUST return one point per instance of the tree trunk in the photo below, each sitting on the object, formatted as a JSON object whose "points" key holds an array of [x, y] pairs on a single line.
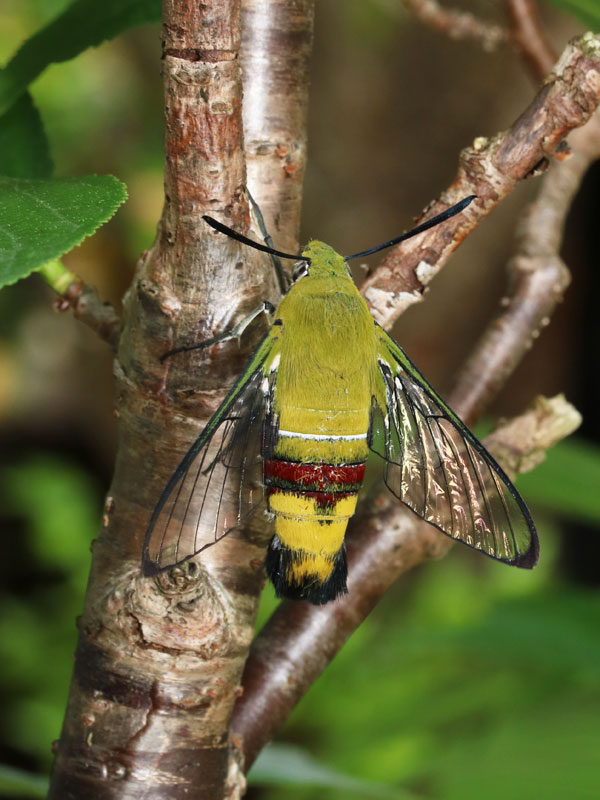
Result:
{"points": [[159, 660]]}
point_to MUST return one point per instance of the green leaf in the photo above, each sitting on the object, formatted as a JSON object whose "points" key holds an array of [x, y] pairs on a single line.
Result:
{"points": [[588, 11], [24, 151], [567, 481], [284, 765], [86, 23], [42, 220], [18, 783]]}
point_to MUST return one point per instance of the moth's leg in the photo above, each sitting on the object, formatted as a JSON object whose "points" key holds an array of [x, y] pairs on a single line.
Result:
{"points": [[282, 277], [235, 332]]}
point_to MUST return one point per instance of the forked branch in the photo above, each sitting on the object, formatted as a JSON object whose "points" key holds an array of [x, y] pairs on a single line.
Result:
{"points": [[491, 168]]}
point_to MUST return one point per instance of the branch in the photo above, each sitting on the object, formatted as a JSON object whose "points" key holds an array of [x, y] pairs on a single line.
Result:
{"points": [[538, 278], [521, 443], [490, 169], [300, 640]]}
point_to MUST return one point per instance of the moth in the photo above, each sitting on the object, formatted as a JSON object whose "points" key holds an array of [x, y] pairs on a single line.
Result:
{"points": [[326, 388]]}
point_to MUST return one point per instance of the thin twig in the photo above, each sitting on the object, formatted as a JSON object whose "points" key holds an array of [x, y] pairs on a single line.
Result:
{"points": [[73, 293], [521, 444], [87, 307], [528, 37], [538, 276], [458, 24], [525, 34]]}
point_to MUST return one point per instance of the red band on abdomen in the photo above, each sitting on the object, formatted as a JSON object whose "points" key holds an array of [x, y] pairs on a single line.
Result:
{"points": [[314, 474]]}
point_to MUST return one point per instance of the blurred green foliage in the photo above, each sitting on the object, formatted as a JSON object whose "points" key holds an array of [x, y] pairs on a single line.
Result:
{"points": [[51, 509], [473, 680], [470, 679], [82, 24], [472, 667], [569, 484]]}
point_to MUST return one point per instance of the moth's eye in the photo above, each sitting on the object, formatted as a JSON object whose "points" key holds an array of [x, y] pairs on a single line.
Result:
{"points": [[300, 270]]}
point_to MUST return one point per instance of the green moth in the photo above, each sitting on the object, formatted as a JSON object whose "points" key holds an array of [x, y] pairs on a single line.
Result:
{"points": [[326, 388]]}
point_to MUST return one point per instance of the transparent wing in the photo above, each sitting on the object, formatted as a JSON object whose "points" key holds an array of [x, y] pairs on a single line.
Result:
{"points": [[219, 483], [440, 470]]}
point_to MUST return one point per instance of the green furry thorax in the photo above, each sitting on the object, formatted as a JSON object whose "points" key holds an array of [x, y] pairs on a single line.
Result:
{"points": [[328, 348]]}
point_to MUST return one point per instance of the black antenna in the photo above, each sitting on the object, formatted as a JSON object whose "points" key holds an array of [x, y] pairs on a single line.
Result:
{"points": [[218, 226], [431, 223]]}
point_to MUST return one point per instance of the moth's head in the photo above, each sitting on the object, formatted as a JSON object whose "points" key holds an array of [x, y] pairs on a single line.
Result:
{"points": [[324, 261]]}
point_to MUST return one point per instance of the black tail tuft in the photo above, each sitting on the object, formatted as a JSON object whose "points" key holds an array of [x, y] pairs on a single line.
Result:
{"points": [[280, 557]]}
